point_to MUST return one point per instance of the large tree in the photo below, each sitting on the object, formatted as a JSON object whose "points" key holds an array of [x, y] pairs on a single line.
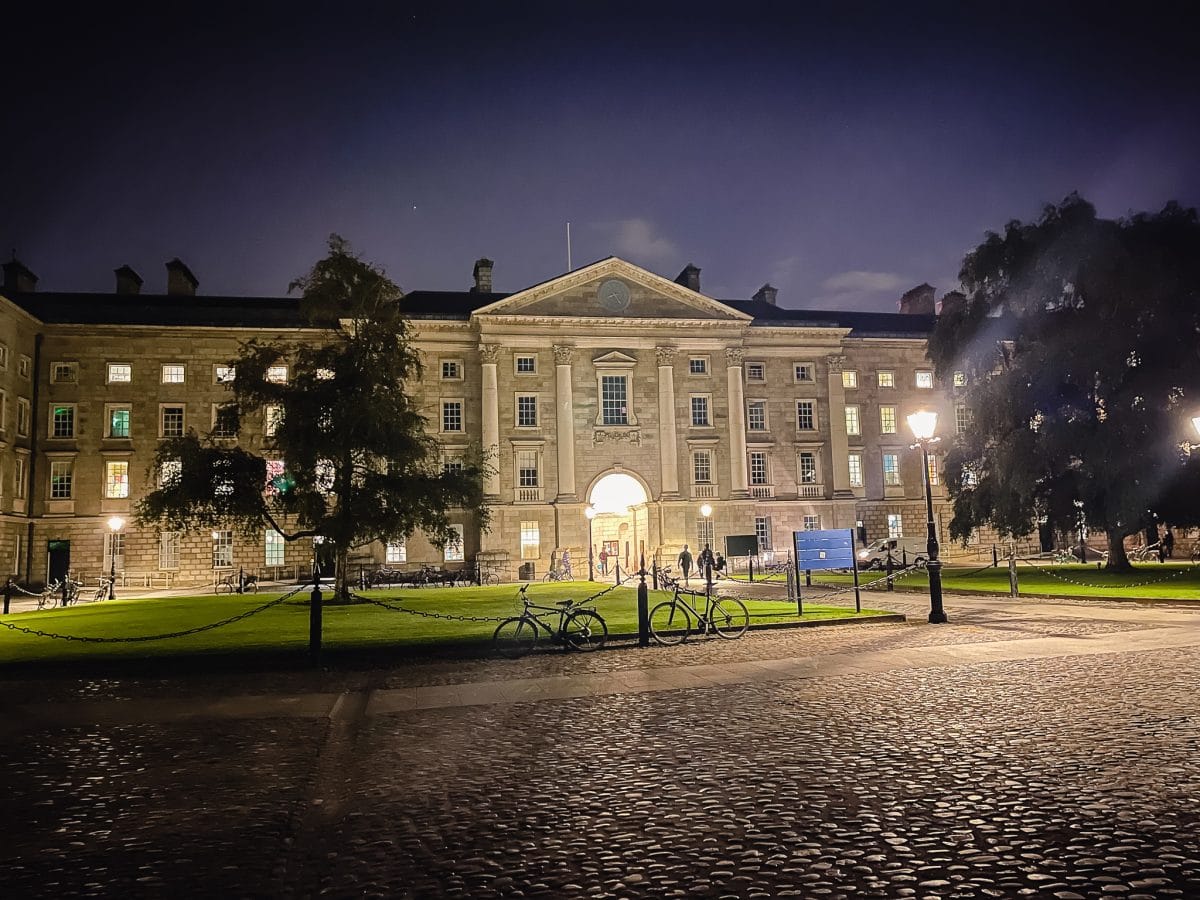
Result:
{"points": [[1080, 341], [337, 447]]}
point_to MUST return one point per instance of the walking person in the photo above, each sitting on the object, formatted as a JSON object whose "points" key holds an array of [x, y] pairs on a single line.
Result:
{"points": [[603, 560], [1168, 543], [705, 563], [685, 563]]}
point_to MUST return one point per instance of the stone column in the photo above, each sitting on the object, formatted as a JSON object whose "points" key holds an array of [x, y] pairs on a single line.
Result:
{"points": [[839, 445], [491, 418], [668, 447], [564, 417], [739, 479]]}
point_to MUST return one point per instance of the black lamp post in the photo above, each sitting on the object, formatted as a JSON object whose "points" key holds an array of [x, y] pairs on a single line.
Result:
{"points": [[590, 512], [115, 524], [923, 425]]}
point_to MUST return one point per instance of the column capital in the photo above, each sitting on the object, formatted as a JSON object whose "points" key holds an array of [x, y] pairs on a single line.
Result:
{"points": [[563, 354], [734, 356], [490, 353], [665, 355], [836, 363]]}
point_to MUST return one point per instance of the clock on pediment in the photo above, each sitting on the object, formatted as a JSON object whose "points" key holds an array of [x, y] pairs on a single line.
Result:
{"points": [[613, 295]]}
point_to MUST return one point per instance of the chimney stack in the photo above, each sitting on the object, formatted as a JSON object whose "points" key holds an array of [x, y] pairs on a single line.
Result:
{"points": [[952, 302], [918, 301], [483, 276], [18, 279], [766, 294], [180, 279], [128, 281], [689, 278]]}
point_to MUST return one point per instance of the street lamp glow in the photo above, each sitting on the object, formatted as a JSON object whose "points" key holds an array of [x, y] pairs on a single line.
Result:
{"points": [[590, 512], [923, 424], [706, 510], [116, 523], [1196, 423]]}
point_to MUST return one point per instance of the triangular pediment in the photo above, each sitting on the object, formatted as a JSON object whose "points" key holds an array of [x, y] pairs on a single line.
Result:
{"points": [[614, 357], [615, 289]]}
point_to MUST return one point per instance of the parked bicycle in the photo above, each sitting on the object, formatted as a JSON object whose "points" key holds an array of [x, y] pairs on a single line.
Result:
{"points": [[56, 592], [671, 622], [229, 585], [558, 575], [104, 588], [579, 628]]}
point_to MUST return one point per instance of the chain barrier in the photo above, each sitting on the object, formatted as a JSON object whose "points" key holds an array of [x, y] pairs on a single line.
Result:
{"points": [[1094, 584], [16, 587], [155, 637]]}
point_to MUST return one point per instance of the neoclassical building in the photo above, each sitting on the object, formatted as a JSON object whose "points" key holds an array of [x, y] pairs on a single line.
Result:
{"points": [[620, 407]]}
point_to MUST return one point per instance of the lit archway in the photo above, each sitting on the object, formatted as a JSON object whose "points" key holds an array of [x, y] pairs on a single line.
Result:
{"points": [[618, 522], [617, 493]]}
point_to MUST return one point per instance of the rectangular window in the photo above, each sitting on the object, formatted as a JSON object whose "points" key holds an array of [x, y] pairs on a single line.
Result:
{"points": [[118, 422], [856, 469], [222, 549], [849, 378], [527, 468], [700, 411], [3, 410], [614, 408], [806, 415], [62, 420], [17, 555], [530, 540], [173, 373], [277, 374], [934, 479], [762, 531], [64, 373], [24, 366], [887, 379], [22, 417], [962, 419], [455, 551], [960, 379], [808, 467], [756, 371], [451, 370], [169, 472], [698, 365], [526, 365], [812, 523], [272, 416], [704, 533], [452, 465], [19, 466], [758, 467], [924, 379], [527, 411], [120, 373], [891, 469], [61, 477], [452, 415], [116, 479], [756, 415], [168, 550], [4, 357], [701, 467], [396, 552], [853, 426], [114, 551], [887, 420], [225, 420], [224, 374], [276, 481], [895, 526], [273, 544], [804, 371], [171, 424]]}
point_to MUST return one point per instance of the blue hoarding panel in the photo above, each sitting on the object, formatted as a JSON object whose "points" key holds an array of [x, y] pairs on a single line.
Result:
{"points": [[830, 549]]}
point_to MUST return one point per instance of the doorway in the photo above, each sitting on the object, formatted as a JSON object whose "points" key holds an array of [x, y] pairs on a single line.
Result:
{"points": [[58, 560]]}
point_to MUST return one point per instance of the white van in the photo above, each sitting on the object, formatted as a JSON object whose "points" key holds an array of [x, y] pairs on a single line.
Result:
{"points": [[875, 554]]}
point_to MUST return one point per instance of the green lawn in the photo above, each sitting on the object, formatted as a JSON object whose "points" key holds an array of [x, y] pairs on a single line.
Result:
{"points": [[1173, 581], [283, 629]]}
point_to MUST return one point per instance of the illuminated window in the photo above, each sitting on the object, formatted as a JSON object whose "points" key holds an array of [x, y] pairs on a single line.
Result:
{"points": [[849, 378], [224, 374], [856, 469], [934, 479], [272, 417], [396, 552], [277, 374], [173, 373], [120, 373], [222, 549], [962, 419], [275, 477], [273, 546], [891, 469], [116, 479], [530, 540], [853, 426], [705, 529], [454, 551], [527, 468], [887, 420], [114, 551], [895, 526], [169, 472], [960, 379], [887, 379], [924, 379], [168, 550]]}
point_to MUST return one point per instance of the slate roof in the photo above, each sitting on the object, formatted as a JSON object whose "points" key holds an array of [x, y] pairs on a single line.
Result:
{"points": [[285, 312]]}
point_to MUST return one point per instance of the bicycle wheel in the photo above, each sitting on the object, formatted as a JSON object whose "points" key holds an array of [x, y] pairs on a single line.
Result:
{"points": [[585, 630], [515, 637], [669, 623], [490, 579], [729, 617]]}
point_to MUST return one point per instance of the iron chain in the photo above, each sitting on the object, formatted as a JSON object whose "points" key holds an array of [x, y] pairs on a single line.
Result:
{"points": [[1093, 584]]}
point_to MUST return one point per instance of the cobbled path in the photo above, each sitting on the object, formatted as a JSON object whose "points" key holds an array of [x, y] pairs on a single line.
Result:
{"points": [[1061, 777]]}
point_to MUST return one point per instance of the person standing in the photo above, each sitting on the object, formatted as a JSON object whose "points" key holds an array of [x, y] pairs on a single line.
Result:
{"points": [[603, 560], [705, 563], [1168, 543], [685, 563]]}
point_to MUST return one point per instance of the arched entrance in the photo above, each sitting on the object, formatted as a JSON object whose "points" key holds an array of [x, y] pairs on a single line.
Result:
{"points": [[619, 523]]}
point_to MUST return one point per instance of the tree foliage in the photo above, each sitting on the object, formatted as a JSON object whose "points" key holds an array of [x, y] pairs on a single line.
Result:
{"points": [[357, 463], [1080, 341]]}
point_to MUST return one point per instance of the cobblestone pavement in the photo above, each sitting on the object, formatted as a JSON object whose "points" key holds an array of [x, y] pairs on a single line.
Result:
{"points": [[1069, 776]]}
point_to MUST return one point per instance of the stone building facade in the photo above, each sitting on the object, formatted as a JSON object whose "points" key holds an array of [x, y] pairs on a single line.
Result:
{"points": [[619, 406]]}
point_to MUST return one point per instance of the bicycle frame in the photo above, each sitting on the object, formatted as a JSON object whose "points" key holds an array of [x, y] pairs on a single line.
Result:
{"points": [[704, 618], [563, 612]]}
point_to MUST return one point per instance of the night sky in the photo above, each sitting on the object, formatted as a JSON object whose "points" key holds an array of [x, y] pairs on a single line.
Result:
{"points": [[844, 155]]}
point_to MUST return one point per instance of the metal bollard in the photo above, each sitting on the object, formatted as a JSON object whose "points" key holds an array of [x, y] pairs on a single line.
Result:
{"points": [[1013, 590], [891, 584], [7, 595], [995, 558], [643, 602], [314, 623]]}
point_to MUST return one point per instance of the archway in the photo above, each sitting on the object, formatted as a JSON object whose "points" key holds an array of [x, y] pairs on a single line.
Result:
{"points": [[618, 523]]}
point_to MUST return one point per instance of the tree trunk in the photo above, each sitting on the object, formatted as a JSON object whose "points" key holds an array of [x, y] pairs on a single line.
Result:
{"points": [[1117, 560], [341, 588]]}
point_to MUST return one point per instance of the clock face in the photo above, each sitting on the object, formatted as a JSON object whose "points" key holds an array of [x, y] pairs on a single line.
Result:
{"points": [[613, 295]]}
